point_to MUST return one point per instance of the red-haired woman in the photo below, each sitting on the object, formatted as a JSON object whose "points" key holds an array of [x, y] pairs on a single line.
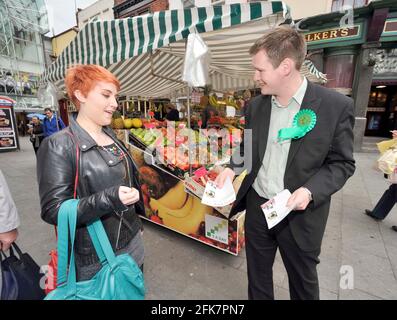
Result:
{"points": [[108, 185]]}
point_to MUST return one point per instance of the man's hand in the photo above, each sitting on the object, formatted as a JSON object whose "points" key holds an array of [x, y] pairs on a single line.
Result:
{"points": [[394, 133], [299, 200], [7, 238], [128, 195], [221, 178]]}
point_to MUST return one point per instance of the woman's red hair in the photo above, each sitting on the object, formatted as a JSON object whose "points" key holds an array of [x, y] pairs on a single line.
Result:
{"points": [[84, 78]]}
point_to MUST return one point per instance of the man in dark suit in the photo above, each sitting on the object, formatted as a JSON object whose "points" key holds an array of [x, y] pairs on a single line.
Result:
{"points": [[312, 167]]}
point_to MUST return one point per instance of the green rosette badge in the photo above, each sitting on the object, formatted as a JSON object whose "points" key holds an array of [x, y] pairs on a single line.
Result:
{"points": [[304, 121]]}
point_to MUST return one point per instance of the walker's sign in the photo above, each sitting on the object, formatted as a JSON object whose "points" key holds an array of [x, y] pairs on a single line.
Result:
{"points": [[337, 34]]}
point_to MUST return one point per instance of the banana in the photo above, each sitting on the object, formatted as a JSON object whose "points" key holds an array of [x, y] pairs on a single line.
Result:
{"points": [[190, 223], [165, 212], [213, 101], [175, 198]]}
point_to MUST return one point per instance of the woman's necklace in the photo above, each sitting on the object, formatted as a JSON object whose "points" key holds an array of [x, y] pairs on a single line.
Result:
{"points": [[115, 150]]}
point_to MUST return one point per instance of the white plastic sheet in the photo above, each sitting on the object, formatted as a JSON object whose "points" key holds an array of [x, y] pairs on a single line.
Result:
{"points": [[197, 60]]}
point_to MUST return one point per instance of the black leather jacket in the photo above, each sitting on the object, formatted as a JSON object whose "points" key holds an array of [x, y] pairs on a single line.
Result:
{"points": [[99, 180]]}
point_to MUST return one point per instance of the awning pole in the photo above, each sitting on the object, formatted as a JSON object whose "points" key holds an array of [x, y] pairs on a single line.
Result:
{"points": [[190, 142]]}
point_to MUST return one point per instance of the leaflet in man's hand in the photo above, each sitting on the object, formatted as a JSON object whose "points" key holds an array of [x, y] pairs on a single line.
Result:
{"points": [[216, 197], [275, 210]]}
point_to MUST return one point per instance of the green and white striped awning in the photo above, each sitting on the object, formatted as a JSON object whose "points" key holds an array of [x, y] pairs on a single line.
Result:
{"points": [[146, 53]]}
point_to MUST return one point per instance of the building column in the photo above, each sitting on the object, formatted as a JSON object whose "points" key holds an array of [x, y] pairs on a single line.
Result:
{"points": [[339, 67], [361, 90]]}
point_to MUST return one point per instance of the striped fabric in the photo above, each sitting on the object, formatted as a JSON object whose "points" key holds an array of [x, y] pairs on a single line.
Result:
{"points": [[134, 48]]}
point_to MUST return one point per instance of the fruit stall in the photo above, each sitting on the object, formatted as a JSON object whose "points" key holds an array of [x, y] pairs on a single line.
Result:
{"points": [[176, 159]]}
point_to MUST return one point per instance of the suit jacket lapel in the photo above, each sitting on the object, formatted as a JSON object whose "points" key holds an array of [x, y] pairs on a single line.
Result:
{"points": [[265, 111], [310, 101]]}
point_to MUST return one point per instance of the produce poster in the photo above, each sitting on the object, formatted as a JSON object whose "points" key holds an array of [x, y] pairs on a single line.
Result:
{"points": [[169, 205], [8, 140]]}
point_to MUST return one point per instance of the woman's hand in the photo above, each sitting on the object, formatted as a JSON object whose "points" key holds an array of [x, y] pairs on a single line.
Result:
{"points": [[7, 238], [128, 195], [394, 133]]}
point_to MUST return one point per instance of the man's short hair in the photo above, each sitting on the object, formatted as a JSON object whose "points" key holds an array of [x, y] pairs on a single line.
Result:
{"points": [[280, 43], [47, 109]]}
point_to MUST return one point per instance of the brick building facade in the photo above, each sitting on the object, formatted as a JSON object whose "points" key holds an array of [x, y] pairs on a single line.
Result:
{"points": [[131, 8]]}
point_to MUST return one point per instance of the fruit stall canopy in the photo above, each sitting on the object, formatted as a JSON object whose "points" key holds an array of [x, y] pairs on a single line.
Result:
{"points": [[146, 53]]}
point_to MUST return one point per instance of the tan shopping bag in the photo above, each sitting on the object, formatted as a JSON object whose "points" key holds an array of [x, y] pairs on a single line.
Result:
{"points": [[388, 161], [386, 145]]}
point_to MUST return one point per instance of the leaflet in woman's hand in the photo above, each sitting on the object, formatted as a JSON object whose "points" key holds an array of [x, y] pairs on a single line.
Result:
{"points": [[216, 197], [275, 210]]}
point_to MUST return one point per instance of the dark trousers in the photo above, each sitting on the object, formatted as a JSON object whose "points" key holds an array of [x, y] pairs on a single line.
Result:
{"points": [[386, 203], [261, 247]]}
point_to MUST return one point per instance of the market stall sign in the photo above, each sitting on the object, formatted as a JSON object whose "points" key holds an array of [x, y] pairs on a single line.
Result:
{"points": [[390, 30], [216, 228], [333, 35]]}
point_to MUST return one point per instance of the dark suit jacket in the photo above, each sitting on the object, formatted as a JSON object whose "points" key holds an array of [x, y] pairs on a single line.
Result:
{"points": [[321, 161]]}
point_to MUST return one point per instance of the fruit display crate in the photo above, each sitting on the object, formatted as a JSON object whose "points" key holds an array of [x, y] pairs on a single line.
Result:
{"points": [[169, 205], [133, 139], [178, 172]]}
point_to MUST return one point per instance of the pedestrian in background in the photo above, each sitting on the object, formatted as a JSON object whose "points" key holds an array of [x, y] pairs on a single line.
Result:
{"points": [[172, 113], [22, 128], [108, 188], [208, 112], [9, 219], [52, 123], [386, 202], [36, 133]]}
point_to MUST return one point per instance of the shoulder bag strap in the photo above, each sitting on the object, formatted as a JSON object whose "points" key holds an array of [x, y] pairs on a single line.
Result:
{"points": [[97, 246]]}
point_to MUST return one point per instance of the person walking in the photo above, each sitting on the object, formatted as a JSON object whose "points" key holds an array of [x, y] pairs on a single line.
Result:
{"points": [[387, 201], [52, 123], [36, 133]]}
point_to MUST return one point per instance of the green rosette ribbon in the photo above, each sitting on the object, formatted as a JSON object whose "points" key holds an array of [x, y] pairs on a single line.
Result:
{"points": [[304, 121]]}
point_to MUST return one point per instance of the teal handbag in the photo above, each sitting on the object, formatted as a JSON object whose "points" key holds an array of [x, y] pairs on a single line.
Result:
{"points": [[120, 278]]}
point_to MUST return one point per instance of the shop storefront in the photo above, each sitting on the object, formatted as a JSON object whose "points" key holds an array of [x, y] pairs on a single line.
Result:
{"points": [[382, 106], [359, 61]]}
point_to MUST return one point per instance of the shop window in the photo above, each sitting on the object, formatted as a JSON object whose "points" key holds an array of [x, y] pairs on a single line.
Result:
{"points": [[377, 99], [381, 100], [337, 5]]}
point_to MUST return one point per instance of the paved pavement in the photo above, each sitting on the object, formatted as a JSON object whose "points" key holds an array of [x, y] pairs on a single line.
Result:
{"points": [[358, 259]]}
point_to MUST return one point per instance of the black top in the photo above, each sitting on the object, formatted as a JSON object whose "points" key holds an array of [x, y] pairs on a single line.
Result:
{"points": [[173, 115]]}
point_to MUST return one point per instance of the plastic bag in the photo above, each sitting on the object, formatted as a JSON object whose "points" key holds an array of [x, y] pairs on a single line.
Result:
{"points": [[388, 161], [197, 60]]}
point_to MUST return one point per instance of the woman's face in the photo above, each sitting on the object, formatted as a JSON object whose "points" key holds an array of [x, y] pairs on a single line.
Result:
{"points": [[35, 120], [100, 103]]}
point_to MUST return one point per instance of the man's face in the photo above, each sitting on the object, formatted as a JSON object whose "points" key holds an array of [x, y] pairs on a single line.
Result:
{"points": [[48, 114], [269, 79]]}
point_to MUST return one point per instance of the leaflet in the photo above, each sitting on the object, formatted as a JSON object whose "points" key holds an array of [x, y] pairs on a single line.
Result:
{"points": [[275, 210], [216, 197]]}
